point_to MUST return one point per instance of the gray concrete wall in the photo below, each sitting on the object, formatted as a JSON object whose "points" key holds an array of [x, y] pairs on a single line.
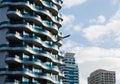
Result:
{"points": [[3, 39], [2, 59], [2, 79], [3, 16], [2, 65]]}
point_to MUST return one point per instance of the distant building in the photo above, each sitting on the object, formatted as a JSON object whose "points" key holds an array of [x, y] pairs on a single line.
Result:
{"points": [[70, 69], [101, 76]]}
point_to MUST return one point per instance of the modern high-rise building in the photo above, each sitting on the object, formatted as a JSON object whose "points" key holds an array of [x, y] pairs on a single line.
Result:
{"points": [[101, 76], [70, 69], [29, 42]]}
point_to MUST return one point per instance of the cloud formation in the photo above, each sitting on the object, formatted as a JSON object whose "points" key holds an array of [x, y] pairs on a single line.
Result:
{"points": [[99, 31], [99, 20], [68, 19], [115, 2], [69, 25], [71, 3], [85, 54]]}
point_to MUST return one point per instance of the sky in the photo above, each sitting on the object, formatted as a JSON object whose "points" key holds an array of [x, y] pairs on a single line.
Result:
{"points": [[94, 26]]}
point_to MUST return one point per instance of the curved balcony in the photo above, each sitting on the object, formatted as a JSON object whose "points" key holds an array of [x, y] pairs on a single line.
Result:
{"points": [[61, 54], [60, 16], [27, 72], [32, 39], [24, 48], [58, 3], [56, 59], [34, 61], [61, 75], [26, 26], [34, 18], [22, 71], [8, 81], [27, 49], [60, 34], [34, 8], [51, 6], [46, 76], [47, 55], [55, 19]]}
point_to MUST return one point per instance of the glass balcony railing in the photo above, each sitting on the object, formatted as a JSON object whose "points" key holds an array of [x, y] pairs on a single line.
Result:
{"points": [[39, 8], [37, 73], [14, 1], [4, 69], [10, 45], [50, 4], [35, 82], [12, 81], [12, 23], [15, 69], [50, 66], [4, 22], [35, 6], [36, 60], [38, 28], [49, 44], [50, 24], [5, 1], [4, 45], [38, 50], [13, 56], [25, 82], [25, 59]]}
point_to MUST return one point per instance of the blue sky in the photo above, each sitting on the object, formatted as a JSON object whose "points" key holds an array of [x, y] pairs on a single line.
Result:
{"points": [[94, 26]]}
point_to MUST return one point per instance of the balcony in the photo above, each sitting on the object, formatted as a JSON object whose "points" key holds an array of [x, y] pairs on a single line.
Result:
{"points": [[58, 3], [61, 54], [50, 5], [10, 81], [35, 18]]}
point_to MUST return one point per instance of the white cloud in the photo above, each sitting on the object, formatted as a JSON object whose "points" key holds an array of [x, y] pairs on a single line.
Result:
{"points": [[84, 54], [71, 3], [69, 45], [69, 25], [68, 19], [99, 20], [98, 32], [95, 53], [77, 28], [115, 2], [93, 20]]}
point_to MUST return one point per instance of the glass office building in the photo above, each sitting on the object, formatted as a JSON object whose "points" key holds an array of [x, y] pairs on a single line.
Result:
{"points": [[70, 69], [29, 42]]}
